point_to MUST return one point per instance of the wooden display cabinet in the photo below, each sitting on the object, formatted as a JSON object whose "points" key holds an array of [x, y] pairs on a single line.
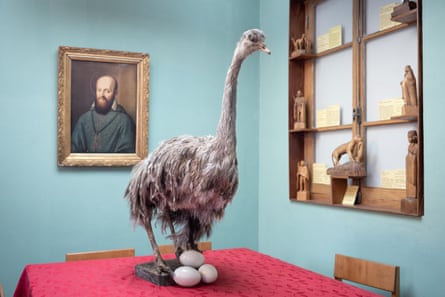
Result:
{"points": [[366, 67]]}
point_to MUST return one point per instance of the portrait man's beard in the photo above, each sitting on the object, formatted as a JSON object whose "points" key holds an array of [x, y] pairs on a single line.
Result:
{"points": [[103, 105]]}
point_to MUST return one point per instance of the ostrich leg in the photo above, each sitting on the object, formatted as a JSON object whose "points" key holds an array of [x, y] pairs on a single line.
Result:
{"points": [[178, 249], [193, 226], [161, 264]]}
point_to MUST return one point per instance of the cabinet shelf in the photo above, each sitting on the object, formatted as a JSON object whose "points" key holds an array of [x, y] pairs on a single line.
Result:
{"points": [[387, 31], [323, 129], [391, 197], [334, 50], [355, 207], [321, 54], [389, 122], [302, 57]]}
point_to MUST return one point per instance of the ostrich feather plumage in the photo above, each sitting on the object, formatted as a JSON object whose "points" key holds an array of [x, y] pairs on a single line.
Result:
{"points": [[188, 181]]}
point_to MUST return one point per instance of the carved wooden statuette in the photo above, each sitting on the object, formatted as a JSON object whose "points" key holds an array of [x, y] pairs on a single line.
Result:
{"points": [[303, 181], [299, 111], [300, 46], [409, 93], [409, 204], [355, 167]]}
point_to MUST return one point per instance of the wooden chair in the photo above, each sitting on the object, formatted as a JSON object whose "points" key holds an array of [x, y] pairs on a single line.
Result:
{"points": [[170, 249], [91, 255], [368, 273], [2, 292]]}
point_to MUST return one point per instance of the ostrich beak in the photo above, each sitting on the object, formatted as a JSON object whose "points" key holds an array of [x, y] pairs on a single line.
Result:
{"points": [[265, 49]]}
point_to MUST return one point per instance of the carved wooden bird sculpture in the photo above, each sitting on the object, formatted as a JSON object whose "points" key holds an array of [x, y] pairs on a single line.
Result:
{"points": [[188, 181]]}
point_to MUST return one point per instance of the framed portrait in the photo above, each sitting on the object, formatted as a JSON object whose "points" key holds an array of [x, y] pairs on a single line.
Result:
{"points": [[103, 98]]}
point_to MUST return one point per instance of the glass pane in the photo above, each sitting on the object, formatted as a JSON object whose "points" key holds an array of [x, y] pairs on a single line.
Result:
{"points": [[386, 58], [333, 83], [386, 149], [326, 142], [373, 14], [325, 19]]}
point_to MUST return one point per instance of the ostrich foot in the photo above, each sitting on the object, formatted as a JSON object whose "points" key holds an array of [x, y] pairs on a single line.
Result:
{"points": [[178, 252], [162, 266], [192, 246], [188, 247], [158, 272]]}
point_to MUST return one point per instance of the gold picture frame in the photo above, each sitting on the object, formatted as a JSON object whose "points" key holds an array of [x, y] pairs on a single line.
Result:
{"points": [[79, 73]]}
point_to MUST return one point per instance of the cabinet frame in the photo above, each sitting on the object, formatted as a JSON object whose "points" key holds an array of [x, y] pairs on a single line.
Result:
{"points": [[302, 142]]}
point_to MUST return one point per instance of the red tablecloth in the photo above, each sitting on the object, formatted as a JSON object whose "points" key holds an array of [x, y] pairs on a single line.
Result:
{"points": [[241, 272]]}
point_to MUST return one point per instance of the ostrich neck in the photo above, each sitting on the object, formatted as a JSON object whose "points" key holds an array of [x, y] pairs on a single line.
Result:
{"points": [[226, 131]]}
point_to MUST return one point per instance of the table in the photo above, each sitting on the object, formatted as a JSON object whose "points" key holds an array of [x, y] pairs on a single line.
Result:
{"points": [[241, 272]]}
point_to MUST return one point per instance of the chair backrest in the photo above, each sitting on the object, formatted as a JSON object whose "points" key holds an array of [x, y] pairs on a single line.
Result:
{"points": [[91, 255], [368, 273], [2, 292], [170, 249]]}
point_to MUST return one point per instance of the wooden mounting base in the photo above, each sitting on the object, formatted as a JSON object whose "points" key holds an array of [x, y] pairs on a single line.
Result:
{"points": [[350, 169], [299, 125], [403, 8], [303, 195], [149, 272], [409, 110], [297, 53]]}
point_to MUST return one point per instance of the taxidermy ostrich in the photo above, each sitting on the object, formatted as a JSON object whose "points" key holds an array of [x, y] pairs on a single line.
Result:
{"points": [[188, 181]]}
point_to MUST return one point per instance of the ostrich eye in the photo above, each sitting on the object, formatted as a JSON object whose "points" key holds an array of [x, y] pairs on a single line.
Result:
{"points": [[253, 37]]}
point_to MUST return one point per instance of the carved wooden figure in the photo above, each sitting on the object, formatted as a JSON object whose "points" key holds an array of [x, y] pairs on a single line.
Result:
{"points": [[300, 45], [411, 165], [299, 111], [409, 92], [353, 148], [355, 168], [409, 89], [303, 179], [410, 204]]}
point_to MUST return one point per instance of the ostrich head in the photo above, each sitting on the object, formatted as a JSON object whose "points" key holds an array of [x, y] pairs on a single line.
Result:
{"points": [[251, 41]]}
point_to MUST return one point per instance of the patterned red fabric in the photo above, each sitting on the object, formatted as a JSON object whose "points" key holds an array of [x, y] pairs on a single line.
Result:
{"points": [[241, 272]]}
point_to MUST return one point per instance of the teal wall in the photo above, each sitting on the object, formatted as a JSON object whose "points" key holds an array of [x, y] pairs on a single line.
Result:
{"points": [[310, 235], [46, 211]]}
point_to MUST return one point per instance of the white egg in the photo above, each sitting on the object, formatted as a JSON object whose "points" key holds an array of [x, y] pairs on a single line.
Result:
{"points": [[208, 272], [186, 276], [191, 258]]}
